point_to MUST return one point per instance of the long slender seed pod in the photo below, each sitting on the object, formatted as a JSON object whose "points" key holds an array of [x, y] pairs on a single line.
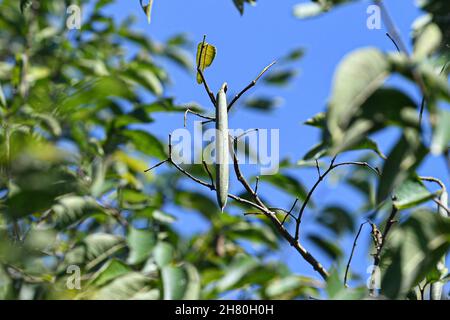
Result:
{"points": [[222, 148]]}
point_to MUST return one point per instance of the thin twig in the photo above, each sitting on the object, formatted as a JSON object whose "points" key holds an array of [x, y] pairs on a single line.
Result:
{"points": [[245, 133], [319, 180], [440, 204], [256, 185], [377, 256], [351, 254], [156, 165], [208, 172], [273, 218], [393, 41], [249, 86], [197, 114], [317, 167]]}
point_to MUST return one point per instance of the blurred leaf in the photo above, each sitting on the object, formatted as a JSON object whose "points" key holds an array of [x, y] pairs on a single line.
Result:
{"points": [[358, 75], [24, 4], [6, 285], [331, 249], [288, 184], [294, 55], [319, 120], [145, 143], [404, 157], [92, 250], [197, 201], [289, 287], [71, 209], [141, 242], [427, 42], [411, 193], [181, 282], [2, 98], [109, 271], [257, 233], [263, 103], [163, 253], [148, 10], [130, 286], [240, 267], [240, 4], [412, 251], [280, 77], [441, 133], [308, 10], [337, 219]]}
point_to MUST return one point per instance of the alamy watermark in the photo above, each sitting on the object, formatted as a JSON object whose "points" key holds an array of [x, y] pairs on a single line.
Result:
{"points": [[262, 146], [373, 21]]}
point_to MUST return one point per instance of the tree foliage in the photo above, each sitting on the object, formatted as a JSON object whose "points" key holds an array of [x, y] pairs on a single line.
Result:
{"points": [[75, 197]]}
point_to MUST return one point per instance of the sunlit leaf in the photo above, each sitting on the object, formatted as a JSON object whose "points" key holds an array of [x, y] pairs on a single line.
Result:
{"points": [[205, 56]]}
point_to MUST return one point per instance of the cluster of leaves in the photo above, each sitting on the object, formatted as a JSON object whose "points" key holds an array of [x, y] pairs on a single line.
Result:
{"points": [[73, 150], [74, 198], [359, 109]]}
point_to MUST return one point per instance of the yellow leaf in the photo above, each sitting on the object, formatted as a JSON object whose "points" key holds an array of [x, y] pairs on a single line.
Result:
{"points": [[205, 56]]}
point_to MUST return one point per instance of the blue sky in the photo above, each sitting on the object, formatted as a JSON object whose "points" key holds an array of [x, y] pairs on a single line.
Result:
{"points": [[245, 45]]}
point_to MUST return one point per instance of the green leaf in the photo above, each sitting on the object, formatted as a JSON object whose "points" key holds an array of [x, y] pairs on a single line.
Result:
{"points": [[24, 4], [308, 10], [6, 285], [239, 268], [257, 233], [404, 157], [413, 249], [2, 98], [145, 143], [318, 121], [109, 271], [94, 249], [287, 183], [181, 282], [289, 287], [337, 219], [72, 209], [441, 133], [197, 201], [174, 282], [163, 253], [280, 77], [263, 103], [411, 193], [240, 4], [427, 41], [148, 10], [130, 286], [141, 242], [331, 249], [357, 77]]}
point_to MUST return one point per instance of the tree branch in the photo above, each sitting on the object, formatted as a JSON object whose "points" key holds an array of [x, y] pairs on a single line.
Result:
{"points": [[249, 86], [319, 180]]}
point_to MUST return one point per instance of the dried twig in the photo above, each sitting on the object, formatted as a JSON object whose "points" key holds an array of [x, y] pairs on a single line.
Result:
{"points": [[198, 115], [319, 180], [351, 254], [377, 256], [249, 86]]}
